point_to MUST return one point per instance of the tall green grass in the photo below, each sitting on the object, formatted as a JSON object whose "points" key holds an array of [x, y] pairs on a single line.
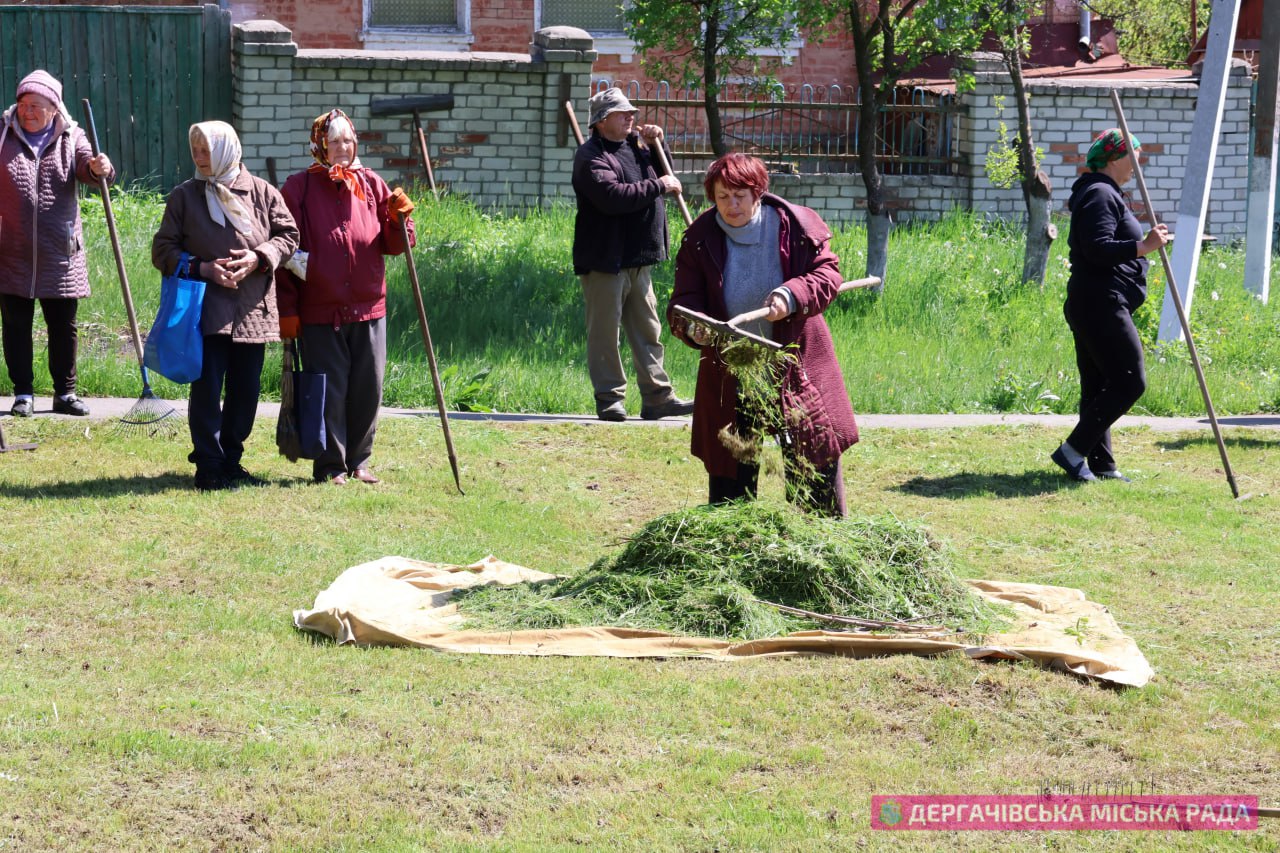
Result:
{"points": [[954, 330]]}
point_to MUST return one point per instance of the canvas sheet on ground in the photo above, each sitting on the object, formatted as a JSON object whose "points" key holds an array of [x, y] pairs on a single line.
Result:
{"points": [[403, 602]]}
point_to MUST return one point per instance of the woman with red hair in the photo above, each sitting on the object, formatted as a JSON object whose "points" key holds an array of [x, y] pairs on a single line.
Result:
{"points": [[755, 250]]}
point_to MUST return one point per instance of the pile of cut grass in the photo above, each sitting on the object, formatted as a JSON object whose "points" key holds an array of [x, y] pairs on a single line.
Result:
{"points": [[706, 571]]}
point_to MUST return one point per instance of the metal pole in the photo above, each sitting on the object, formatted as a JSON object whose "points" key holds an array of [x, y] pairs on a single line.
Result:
{"points": [[1172, 290]]}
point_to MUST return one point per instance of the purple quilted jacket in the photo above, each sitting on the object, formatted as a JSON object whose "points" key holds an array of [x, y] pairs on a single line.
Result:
{"points": [[41, 244]]}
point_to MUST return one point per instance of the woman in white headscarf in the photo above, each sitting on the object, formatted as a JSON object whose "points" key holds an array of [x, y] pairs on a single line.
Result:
{"points": [[236, 230]]}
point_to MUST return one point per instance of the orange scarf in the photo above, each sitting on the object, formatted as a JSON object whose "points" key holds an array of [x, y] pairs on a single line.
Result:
{"points": [[342, 175]]}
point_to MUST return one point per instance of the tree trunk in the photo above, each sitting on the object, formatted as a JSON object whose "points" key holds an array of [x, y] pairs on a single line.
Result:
{"points": [[711, 83], [878, 227], [1037, 190], [868, 119], [1041, 232]]}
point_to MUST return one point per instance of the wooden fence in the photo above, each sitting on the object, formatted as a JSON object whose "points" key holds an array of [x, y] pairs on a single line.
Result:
{"points": [[150, 72]]}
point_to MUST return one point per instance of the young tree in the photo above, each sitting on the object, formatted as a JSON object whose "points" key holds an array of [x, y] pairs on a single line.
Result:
{"points": [[890, 38], [1019, 161], [702, 42]]}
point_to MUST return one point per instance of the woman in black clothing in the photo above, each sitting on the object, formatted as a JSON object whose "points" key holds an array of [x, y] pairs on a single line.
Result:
{"points": [[1108, 282]]}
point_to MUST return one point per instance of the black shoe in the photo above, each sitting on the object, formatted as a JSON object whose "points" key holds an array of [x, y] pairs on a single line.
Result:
{"points": [[23, 408], [237, 476], [70, 405], [1079, 472], [673, 408], [1112, 475], [207, 481], [615, 411]]}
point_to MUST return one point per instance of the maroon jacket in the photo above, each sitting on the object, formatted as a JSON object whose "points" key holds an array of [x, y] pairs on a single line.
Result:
{"points": [[41, 242], [812, 274], [346, 239]]}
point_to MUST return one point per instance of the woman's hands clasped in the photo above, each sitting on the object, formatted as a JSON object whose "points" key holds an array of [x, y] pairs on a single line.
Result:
{"points": [[229, 272]]}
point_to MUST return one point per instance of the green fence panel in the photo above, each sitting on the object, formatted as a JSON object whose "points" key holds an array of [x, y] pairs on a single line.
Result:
{"points": [[150, 73]]}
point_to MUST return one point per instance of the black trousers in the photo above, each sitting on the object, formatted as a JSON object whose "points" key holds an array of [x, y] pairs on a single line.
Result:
{"points": [[822, 492], [219, 428], [18, 316], [1113, 373]]}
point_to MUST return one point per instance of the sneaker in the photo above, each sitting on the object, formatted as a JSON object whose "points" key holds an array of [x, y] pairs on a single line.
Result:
{"points": [[673, 408], [70, 405], [615, 411], [208, 481], [23, 407], [1111, 475], [1079, 472], [237, 476]]}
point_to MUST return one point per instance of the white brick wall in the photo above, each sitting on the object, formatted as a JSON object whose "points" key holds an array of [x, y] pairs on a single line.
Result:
{"points": [[499, 143]]}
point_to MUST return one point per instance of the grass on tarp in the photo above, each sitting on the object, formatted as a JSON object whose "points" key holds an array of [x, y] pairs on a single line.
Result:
{"points": [[704, 571]]}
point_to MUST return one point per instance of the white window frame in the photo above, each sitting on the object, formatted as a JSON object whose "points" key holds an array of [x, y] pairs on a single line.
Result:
{"points": [[458, 38], [610, 43]]}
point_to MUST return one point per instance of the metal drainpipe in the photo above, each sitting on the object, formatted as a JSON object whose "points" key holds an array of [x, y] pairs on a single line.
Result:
{"points": [[1085, 41]]}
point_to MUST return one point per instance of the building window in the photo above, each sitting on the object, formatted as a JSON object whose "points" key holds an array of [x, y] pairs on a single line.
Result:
{"points": [[602, 18], [598, 17], [417, 24]]}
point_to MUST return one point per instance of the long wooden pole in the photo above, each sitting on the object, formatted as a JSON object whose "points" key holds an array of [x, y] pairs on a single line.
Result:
{"points": [[431, 354], [1172, 290], [573, 122], [119, 255], [426, 155], [666, 167]]}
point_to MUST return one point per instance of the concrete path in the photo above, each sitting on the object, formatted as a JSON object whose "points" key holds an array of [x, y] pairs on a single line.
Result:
{"points": [[109, 408]]}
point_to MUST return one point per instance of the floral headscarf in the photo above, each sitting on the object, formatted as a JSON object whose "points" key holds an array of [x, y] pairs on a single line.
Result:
{"points": [[322, 129], [1109, 145], [224, 162]]}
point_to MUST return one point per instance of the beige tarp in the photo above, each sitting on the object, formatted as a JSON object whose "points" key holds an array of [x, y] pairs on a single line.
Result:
{"points": [[398, 601]]}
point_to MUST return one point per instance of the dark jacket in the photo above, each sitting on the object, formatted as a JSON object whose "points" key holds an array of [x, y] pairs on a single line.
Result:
{"points": [[345, 239], [1104, 244], [248, 313], [41, 242], [610, 208], [811, 272]]}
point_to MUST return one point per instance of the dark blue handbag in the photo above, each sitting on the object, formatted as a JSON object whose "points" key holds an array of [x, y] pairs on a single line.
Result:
{"points": [[175, 345], [308, 401]]}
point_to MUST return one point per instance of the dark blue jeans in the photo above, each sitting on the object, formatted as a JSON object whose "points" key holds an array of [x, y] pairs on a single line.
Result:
{"points": [[219, 428]]}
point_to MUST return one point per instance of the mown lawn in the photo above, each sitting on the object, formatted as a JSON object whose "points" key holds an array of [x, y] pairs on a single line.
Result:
{"points": [[154, 694], [954, 331]]}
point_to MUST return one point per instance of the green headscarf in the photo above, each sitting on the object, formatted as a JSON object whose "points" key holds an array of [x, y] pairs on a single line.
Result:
{"points": [[1109, 146]]}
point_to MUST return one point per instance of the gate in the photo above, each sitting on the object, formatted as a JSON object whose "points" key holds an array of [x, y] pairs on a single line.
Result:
{"points": [[150, 73]]}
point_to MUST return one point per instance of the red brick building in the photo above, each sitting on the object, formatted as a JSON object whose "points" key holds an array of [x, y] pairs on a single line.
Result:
{"points": [[507, 26]]}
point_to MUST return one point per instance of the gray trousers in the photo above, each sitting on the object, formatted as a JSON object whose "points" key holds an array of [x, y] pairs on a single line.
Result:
{"points": [[625, 301], [353, 359]]}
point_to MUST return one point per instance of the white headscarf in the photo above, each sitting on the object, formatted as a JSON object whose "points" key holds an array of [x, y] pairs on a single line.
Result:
{"points": [[224, 161]]}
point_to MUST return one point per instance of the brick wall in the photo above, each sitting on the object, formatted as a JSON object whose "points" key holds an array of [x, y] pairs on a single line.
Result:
{"points": [[499, 144], [1066, 113]]}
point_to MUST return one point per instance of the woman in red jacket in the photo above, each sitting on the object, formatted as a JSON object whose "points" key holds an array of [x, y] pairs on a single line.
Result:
{"points": [[334, 293], [755, 250]]}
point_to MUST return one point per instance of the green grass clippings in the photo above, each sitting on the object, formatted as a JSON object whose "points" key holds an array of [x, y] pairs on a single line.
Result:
{"points": [[707, 571]]}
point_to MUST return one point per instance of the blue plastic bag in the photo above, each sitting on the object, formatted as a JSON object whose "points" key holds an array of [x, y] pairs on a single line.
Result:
{"points": [[175, 345]]}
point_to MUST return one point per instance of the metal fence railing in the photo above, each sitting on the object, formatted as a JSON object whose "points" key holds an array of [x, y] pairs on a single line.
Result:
{"points": [[802, 128]]}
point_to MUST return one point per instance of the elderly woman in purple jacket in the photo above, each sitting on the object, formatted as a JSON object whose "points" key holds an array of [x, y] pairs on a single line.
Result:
{"points": [[42, 155], [755, 250]]}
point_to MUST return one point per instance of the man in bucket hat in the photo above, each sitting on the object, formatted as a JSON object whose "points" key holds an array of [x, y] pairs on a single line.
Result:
{"points": [[620, 232]]}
